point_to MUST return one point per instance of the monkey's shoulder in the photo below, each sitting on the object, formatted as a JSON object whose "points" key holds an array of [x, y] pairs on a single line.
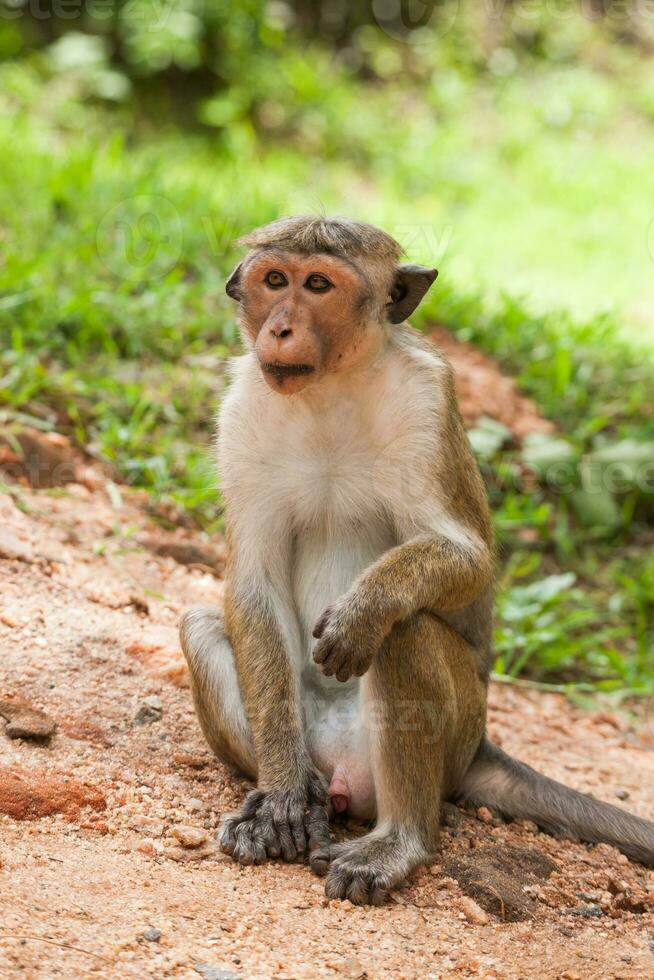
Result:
{"points": [[421, 357]]}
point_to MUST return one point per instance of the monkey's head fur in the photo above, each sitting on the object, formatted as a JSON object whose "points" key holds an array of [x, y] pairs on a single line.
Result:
{"points": [[316, 296]]}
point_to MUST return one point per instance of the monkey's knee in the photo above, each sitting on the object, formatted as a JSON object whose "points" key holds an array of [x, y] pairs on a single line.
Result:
{"points": [[215, 688], [436, 713], [202, 634]]}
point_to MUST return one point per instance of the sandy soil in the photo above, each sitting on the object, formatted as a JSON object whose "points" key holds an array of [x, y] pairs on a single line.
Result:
{"points": [[98, 876]]}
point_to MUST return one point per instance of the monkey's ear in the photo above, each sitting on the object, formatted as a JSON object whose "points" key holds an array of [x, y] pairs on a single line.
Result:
{"points": [[233, 284], [410, 285]]}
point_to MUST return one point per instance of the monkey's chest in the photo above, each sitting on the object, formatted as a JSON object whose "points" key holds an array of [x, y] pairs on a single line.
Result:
{"points": [[326, 561], [339, 524]]}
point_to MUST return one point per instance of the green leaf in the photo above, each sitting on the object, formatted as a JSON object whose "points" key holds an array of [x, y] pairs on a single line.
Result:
{"points": [[552, 459], [596, 509], [488, 436]]}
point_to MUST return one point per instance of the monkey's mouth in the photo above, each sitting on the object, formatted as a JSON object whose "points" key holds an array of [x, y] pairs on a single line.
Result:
{"points": [[282, 371]]}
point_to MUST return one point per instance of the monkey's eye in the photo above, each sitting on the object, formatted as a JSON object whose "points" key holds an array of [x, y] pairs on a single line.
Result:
{"points": [[317, 283], [276, 279]]}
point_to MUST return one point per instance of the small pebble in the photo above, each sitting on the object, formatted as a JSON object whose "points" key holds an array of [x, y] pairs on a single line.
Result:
{"points": [[622, 794], [150, 710], [210, 972], [190, 837], [351, 967], [188, 759], [473, 912], [152, 935], [24, 721], [587, 911], [616, 886], [484, 814]]}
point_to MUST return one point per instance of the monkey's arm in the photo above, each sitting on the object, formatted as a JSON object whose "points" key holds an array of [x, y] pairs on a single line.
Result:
{"points": [[287, 812], [431, 572], [269, 687], [445, 559]]}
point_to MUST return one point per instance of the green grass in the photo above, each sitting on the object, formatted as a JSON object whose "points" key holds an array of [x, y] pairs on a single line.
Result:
{"points": [[116, 238]]}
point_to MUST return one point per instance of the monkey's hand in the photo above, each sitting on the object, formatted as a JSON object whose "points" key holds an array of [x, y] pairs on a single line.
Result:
{"points": [[279, 823], [348, 637]]}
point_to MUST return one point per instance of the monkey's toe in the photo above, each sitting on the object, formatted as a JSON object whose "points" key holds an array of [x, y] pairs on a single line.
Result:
{"points": [[243, 842], [361, 884], [319, 861]]}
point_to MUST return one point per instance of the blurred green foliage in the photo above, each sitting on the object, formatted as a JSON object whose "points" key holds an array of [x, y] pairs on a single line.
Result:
{"points": [[511, 145]]}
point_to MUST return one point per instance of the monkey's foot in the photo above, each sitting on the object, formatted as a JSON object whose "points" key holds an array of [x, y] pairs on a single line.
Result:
{"points": [[365, 870], [278, 824]]}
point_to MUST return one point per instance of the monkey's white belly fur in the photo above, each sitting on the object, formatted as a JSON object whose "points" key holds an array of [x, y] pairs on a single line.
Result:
{"points": [[325, 565]]}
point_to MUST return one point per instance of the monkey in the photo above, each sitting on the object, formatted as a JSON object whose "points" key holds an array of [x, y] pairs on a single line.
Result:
{"points": [[349, 670]]}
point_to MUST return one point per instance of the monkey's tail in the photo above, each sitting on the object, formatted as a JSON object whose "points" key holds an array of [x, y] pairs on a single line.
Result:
{"points": [[516, 790]]}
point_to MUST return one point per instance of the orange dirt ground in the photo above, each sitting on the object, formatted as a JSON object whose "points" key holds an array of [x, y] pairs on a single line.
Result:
{"points": [[87, 632]]}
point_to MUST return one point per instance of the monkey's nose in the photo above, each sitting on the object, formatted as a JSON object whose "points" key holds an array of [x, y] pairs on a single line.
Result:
{"points": [[281, 331]]}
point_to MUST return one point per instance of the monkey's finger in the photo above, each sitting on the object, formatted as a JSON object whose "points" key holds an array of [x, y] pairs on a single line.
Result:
{"points": [[259, 849], [317, 823], [249, 847], [299, 836], [273, 847], [335, 661], [317, 788], [287, 847], [319, 861], [271, 839], [228, 834], [317, 826], [322, 650], [251, 804], [319, 628]]}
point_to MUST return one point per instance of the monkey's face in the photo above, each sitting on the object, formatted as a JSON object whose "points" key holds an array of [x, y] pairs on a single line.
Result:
{"points": [[306, 315]]}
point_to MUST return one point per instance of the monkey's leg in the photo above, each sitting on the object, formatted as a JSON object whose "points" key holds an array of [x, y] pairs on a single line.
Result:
{"points": [[425, 708], [215, 689]]}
